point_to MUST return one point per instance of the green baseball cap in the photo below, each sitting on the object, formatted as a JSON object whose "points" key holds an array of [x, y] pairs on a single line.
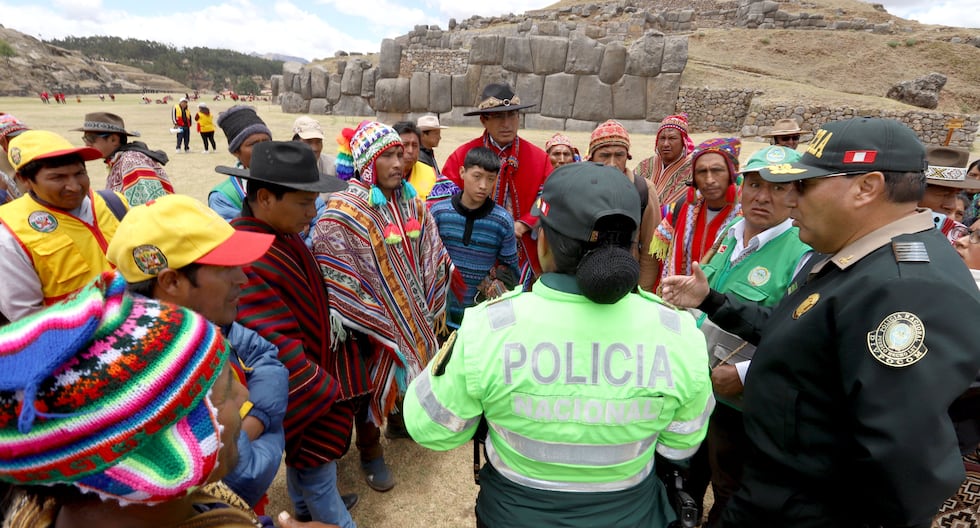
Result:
{"points": [[854, 146], [771, 155], [577, 195]]}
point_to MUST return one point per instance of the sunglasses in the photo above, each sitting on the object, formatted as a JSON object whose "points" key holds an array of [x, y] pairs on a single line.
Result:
{"points": [[90, 138], [791, 138], [800, 185]]}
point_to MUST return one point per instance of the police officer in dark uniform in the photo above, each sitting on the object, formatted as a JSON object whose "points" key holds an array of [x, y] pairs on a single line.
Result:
{"points": [[846, 399]]}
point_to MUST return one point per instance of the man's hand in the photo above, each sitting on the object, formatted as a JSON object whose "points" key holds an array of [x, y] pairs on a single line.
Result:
{"points": [[686, 291], [520, 228], [286, 521], [253, 427], [725, 380]]}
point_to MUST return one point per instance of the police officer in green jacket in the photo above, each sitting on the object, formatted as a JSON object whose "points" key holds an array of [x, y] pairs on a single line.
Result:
{"points": [[581, 381], [846, 400]]}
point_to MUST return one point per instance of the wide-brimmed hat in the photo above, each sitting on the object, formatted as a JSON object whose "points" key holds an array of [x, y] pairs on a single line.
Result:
{"points": [[105, 123], [784, 127], [947, 168], [498, 97], [289, 164], [854, 146], [429, 122]]}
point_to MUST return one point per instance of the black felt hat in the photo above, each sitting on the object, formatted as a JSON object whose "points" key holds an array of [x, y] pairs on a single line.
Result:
{"points": [[290, 164], [498, 97]]}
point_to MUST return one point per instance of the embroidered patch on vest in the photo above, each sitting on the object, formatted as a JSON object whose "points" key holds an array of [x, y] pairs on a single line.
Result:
{"points": [[759, 276], [805, 306], [42, 221], [149, 259], [15, 156], [899, 340]]}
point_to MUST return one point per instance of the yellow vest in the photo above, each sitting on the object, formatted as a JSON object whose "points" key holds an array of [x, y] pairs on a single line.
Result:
{"points": [[66, 252], [423, 178]]}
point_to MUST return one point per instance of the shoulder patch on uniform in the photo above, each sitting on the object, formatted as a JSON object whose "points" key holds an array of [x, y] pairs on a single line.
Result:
{"points": [[914, 251], [670, 319], [500, 313], [805, 306], [899, 341], [445, 353]]}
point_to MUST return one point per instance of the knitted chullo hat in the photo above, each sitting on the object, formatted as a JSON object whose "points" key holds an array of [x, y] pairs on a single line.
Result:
{"points": [[558, 139], [10, 125], [677, 122], [609, 133], [109, 392], [239, 122], [729, 149]]}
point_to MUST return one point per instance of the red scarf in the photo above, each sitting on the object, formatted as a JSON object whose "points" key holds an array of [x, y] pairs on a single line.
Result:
{"points": [[505, 193]]}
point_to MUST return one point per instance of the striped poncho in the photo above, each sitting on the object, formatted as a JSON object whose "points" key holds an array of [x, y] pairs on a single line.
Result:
{"points": [[393, 292], [285, 302]]}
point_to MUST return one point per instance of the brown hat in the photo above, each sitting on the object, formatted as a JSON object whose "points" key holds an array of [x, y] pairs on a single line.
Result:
{"points": [[105, 123], [498, 97], [784, 127], [947, 168]]}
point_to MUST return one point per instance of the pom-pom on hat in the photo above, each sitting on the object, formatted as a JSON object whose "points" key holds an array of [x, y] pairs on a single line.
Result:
{"points": [[609, 133], [239, 122], [109, 392]]}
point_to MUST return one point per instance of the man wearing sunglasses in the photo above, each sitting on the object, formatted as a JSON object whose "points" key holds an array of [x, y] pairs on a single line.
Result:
{"points": [[785, 133], [846, 400]]}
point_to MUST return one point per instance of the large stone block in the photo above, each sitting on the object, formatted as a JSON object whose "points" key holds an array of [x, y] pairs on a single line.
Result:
{"points": [[558, 97], [576, 125], [306, 87], [297, 85], [646, 55], [640, 126], [493, 74], [548, 54], [289, 71], [613, 64], [318, 82], [540, 122], [319, 106], [487, 49], [529, 88], [350, 84], [440, 93], [391, 59], [629, 97], [391, 95], [419, 91], [662, 95], [675, 55], [368, 79], [593, 99], [333, 88], [517, 54], [276, 82], [584, 56], [293, 103], [353, 105], [466, 87], [455, 117]]}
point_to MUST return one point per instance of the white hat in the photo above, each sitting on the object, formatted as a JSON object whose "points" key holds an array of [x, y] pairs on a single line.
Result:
{"points": [[429, 122], [307, 128], [202, 105]]}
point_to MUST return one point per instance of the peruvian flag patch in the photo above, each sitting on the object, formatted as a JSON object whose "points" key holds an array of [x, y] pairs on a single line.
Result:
{"points": [[860, 156]]}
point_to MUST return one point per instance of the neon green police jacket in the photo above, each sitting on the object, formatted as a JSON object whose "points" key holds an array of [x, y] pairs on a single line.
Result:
{"points": [[578, 396]]}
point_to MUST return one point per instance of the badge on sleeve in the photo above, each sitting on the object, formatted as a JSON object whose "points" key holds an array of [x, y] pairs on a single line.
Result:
{"points": [[899, 340], [445, 353], [805, 306]]}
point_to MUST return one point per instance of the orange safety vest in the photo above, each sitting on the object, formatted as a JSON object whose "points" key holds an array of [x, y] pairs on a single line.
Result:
{"points": [[66, 252]]}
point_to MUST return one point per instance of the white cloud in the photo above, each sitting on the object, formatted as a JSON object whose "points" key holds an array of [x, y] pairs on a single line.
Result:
{"points": [[80, 9], [381, 13], [963, 13]]}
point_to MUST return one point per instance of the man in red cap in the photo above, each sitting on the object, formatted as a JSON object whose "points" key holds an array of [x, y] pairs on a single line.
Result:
{"points": [[53, 240], [523, 169]]}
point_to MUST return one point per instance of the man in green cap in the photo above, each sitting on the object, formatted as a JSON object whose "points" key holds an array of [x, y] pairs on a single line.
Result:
{"points": [[846, 403]]}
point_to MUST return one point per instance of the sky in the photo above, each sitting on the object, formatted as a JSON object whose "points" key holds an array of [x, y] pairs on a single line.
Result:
{"points": [[313, 28]]}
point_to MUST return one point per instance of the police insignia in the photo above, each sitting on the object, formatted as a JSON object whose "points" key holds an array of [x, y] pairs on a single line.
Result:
{"points": [[149, 259], [759, 276], [775, 155], [805, 306], [42, 221], [445, 353], [898, 340], [785, 168]]}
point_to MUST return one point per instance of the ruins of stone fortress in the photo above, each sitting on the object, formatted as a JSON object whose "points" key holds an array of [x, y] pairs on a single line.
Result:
{"points": [[580, 65]]}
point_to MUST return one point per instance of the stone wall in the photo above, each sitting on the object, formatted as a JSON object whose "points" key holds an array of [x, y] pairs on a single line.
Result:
{"points": [[575, 82], [715, 110]]}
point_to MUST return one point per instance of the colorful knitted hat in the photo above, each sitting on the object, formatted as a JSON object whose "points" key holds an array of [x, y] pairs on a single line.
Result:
{"points": [[239, 122], [109, 392], [10, 126], [363, 147], [677, 122], [609, 133], [558, 139], [729, 149]]}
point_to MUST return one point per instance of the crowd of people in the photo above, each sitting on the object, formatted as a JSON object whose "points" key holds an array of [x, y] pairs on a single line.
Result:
{"points": [[794, 332]]}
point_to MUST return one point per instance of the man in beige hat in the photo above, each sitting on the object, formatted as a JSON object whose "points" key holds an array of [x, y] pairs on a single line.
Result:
{"points": [[309, 131], [134, 170], [431, 136], [946, 177], [786, 133]]}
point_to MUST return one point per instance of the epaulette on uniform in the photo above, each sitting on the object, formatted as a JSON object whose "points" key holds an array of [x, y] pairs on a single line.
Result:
{"points": [[910, 251]]}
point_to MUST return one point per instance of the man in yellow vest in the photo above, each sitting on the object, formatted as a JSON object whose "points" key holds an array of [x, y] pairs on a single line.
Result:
{"points": [[53, 239]]}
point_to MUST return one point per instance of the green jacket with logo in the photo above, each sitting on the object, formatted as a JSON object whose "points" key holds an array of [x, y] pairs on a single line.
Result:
{"points": [[578, 397]]}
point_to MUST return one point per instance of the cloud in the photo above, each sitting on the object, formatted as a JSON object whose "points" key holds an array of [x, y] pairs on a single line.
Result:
{"points": [[964, 13], [381, 13]]}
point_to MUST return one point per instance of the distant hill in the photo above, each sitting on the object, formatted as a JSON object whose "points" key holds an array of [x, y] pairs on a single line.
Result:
{"points": [[281, 57], [197, 68]]}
